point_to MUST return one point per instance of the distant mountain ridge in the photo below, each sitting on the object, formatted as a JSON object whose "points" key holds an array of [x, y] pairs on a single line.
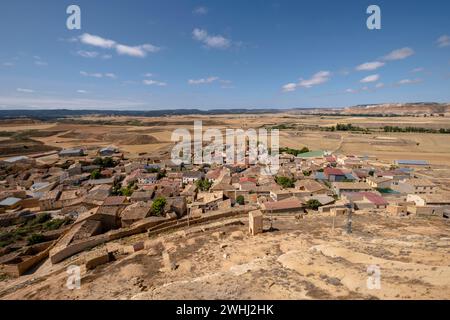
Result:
{"points": [[369, 109]]}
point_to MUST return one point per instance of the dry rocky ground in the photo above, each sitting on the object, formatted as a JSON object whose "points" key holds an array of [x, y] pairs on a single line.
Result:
{"points": [[301, 258]]}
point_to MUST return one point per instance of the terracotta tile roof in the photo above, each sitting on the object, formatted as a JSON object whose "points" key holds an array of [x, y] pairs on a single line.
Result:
{"points": [[286, 204], [333, 171], [114, 200]]}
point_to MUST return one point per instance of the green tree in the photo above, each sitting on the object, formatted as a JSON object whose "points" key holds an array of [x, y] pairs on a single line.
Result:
{"points": [[97, 161], [313, 204], [161, 174], [158, 206], [127, 191], [96, 174], [285, 182], [106, 162], [240, 199], [35, 238], [40, 218], [203, 184]]}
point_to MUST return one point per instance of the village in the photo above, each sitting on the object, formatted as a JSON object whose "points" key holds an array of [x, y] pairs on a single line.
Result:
{"points": [[89, 197]]}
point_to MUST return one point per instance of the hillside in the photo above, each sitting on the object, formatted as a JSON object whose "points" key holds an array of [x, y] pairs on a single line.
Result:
{"points": [[400, 108]]}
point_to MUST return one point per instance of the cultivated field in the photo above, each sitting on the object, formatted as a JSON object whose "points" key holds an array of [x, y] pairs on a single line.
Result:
{"points": [[151, 135]]}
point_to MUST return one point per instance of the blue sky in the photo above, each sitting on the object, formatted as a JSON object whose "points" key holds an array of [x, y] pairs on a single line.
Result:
{"points": [[222, 54]]}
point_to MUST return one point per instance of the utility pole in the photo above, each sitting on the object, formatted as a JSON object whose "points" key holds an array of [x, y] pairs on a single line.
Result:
{"points": [[189, 213], [349, 221]]}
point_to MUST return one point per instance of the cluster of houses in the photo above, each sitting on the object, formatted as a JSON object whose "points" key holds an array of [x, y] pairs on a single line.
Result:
{"points": [[103, 197]]}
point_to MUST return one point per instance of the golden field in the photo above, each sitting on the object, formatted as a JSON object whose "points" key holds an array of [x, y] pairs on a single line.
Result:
{"points": [[152, 135]]}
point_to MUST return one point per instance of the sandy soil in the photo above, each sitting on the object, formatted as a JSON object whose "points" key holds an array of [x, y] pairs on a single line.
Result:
{"points": [[301, 259]]}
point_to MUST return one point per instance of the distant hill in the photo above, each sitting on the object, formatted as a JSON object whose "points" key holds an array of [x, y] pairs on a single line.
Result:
{"points": [[400, 108], [368, 110], [66, 113]]}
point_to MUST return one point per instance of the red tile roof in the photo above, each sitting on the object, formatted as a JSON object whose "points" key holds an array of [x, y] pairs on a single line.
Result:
{"points": [[374, 198], [247, 179], [333, 172], [114, 200], [289, 203]]}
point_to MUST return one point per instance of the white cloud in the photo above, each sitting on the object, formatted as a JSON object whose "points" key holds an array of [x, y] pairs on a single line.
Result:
{"points": [[371, 78], [203, 80], [318, 78], [415, 70], [24, 90], [350, 91], [216, 42], [200, 10], [82, 91], [139, 51], [379, 85], [8, 64], [110, 75], [289, 87], [70, 40], [399, 54], [369, 66], [443, 41], [97, 41], [409, 81], [39, 62], [148, 75], [154, 83], [98, 75], [87, 54]]}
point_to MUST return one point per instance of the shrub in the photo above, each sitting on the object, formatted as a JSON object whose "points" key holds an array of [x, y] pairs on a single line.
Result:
{"points": [[313, 204], [203, 184], [35, 238], [39, 219], [285, 182], [126, 191], [55, 224], [240, 199], [96, 174], [106, 162], [158, 206]]}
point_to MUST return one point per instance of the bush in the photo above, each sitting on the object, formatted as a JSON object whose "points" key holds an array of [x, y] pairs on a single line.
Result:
{"points": [[294, 152], [107, 162], [55, 224], [39, 219], [96, 174], [35, 238], [158, 206], [313, 204], [126, 191], [285, 182], [203, 184], [240, 199]]}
